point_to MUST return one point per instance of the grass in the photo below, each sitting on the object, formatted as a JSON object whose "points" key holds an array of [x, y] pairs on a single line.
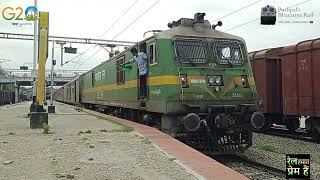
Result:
{"points": [[79, 107], [24, 115], [103, 141], [59, 175], [268, 147], [87, 131], [124, 128], [46, 128], [146, 140], [84, 139], [54, 161]]}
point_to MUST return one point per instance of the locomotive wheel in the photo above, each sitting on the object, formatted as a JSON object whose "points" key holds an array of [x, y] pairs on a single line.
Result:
{"points": [[308, 123], [259, 122], [292, 123], [316, 134], [157, 124], [313, 128]]}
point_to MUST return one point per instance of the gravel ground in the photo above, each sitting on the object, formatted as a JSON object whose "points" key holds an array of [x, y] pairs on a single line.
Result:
{"points": [[65, 153], [272, 151]]}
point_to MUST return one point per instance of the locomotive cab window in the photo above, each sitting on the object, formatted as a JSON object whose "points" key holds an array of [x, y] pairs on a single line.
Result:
{"points": [[228, 52], [92, 78], [190, 51], [103, 74], [120, 72], [153, 54]]}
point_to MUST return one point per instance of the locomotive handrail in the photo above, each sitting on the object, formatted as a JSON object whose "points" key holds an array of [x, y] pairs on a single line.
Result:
{"points": [[211, 68], [154, 31]]}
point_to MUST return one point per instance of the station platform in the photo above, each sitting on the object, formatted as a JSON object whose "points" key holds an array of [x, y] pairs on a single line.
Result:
{"points": [[200, 163], [81, 144]]}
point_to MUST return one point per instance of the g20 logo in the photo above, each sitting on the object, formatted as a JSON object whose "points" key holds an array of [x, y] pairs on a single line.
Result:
{"points": [[30, 14]]}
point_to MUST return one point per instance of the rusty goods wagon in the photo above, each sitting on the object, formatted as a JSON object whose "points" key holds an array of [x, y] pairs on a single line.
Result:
{"points": [[266, 66], [301, 73], [6, 97], [287, 81]]}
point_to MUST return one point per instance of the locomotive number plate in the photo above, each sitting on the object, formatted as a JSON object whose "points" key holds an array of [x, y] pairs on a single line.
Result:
{"points": [[237, 95]]}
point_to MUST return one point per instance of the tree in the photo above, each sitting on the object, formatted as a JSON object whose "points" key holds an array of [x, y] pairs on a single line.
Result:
{"points": [[2, 71], [7, 87]]}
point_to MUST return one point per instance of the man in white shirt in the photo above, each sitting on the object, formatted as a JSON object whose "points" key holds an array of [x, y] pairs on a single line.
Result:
{"points": [[142, 61]]}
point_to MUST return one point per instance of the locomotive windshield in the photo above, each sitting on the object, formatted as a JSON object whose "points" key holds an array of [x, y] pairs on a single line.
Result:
{"points": [[228, 52], [190, 51], [194, 50]]}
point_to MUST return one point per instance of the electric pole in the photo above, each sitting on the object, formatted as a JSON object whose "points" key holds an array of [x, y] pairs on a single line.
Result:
{"points": [[35, 55]]}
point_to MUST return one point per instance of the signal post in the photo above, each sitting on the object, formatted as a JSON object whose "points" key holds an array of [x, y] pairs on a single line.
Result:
{"points": [[38, 114]]}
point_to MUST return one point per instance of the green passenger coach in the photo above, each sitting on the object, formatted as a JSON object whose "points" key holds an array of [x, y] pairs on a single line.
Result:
{"points": [[200, 86]]}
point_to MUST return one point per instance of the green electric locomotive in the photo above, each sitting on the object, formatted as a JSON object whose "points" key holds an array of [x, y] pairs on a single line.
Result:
{"points": [[200, 87]]}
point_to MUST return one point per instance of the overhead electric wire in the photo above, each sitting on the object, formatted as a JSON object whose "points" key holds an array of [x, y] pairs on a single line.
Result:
{"points": [[127, 10], [259, 18], [127, 26], [136, 19], [242, 24], [110, 27], [236, 11]]}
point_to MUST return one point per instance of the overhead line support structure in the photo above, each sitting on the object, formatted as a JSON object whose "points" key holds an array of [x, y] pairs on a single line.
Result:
{"points": [[4, 35]]}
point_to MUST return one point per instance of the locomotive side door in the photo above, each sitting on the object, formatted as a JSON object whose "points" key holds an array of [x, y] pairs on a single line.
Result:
{"points": [[152, 61], [149, 48], [143, 81]]}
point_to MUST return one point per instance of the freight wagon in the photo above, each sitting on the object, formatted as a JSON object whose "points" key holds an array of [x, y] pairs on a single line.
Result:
{"points": [[7, 97], [287, 80], [200, 87]]}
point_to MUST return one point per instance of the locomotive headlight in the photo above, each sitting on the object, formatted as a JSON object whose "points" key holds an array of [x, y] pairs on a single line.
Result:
{"points": [[244, 80], [218, 80], [184, 80], [210, 80], [215, 80]]}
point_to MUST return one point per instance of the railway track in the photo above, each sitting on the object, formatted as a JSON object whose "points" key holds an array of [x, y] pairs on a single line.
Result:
{"points": [[249, 168], [283, 132]]}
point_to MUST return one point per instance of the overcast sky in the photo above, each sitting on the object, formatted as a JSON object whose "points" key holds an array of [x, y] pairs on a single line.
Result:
{"points": [[90, 19]]}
